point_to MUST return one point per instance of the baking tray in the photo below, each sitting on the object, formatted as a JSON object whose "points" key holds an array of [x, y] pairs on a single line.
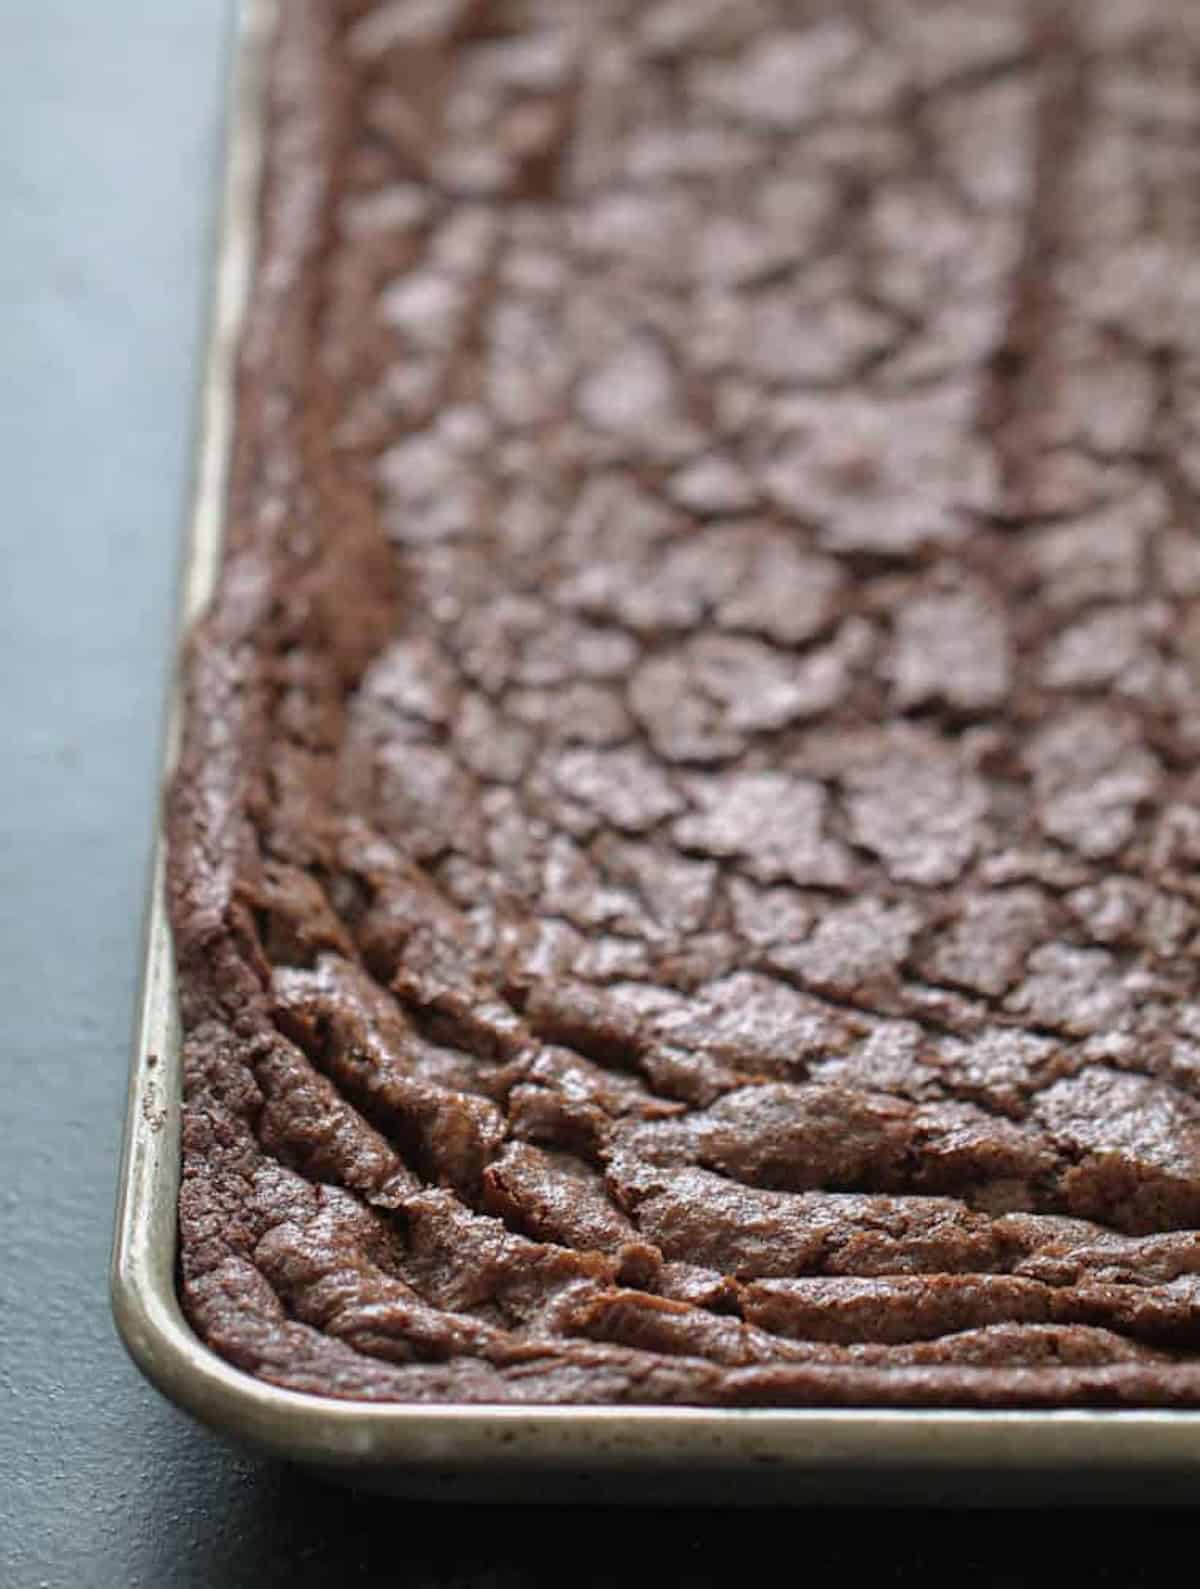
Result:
{"points": [[639, 1455]]}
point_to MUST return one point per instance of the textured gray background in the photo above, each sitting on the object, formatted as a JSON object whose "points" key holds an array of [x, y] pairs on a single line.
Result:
{"points": [[109, 134]]}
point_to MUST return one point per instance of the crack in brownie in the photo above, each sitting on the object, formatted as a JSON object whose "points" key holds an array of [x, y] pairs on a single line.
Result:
{"points": [[683, 861]]}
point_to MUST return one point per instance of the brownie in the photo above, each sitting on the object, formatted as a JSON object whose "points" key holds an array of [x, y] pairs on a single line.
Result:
{"points": [[683, 860]]}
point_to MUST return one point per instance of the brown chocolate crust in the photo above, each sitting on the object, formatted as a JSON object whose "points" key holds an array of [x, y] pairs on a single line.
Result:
{"points": [[683, 858]]}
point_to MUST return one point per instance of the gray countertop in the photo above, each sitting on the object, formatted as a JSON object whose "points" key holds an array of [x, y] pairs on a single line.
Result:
{"points": [[109, 136]]}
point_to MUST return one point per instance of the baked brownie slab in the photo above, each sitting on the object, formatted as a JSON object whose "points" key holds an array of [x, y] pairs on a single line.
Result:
{"points": [[684, 857]]}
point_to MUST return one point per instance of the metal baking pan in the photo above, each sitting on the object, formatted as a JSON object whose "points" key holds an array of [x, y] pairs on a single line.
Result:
{"points": [[645, 1455]]}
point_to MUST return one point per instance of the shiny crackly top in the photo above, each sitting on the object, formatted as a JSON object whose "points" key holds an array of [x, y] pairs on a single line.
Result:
{"points": [[684, 858]]}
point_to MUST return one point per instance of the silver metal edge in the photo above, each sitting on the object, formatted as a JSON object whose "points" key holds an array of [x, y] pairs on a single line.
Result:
{"points": [[384, 1439]]}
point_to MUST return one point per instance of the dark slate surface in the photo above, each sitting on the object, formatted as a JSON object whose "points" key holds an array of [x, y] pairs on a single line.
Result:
{"points": [[109, 131]]}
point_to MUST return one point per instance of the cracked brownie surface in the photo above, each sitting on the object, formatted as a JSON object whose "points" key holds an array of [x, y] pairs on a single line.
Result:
{"points": [[683, 861]]}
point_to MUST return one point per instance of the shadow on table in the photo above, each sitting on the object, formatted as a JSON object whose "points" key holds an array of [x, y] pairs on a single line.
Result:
{"points": [[301, 1532]]}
